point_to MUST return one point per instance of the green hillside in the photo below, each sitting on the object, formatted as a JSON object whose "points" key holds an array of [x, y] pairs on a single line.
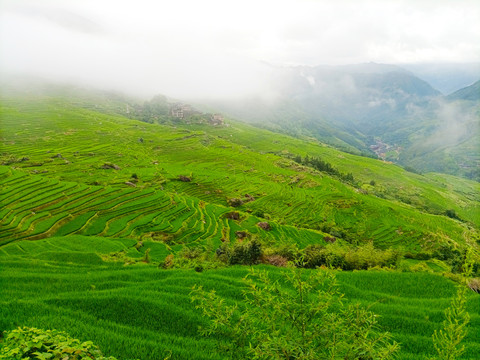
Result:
{"points": [[470, 93], [61, 143], [107, 222], [373, 109], [145, 312]]}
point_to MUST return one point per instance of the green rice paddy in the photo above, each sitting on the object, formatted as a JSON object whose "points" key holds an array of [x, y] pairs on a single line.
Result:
{"points": [[145, 312], [68, 146], [81, 191]]}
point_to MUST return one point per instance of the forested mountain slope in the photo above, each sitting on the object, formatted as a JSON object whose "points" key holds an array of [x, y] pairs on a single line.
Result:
{"points": [[372, 108]]}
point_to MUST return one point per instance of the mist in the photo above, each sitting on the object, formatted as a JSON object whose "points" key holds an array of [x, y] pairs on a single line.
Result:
{"points": [[190, 49], [454, 124]]}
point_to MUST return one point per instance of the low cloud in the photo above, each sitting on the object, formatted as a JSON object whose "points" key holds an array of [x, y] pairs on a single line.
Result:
{"points": [[61, 17], [454, 123], [214, 48]]}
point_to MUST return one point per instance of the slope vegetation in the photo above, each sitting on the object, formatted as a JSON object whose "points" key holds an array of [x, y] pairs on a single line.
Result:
{"points": [[141, 312], [101, 174], [95, 204]]}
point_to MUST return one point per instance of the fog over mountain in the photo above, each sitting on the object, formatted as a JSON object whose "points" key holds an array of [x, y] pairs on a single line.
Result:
{"points": [[446, 78], [215, 48], [239, 179], [366, 76], [374, 109]]}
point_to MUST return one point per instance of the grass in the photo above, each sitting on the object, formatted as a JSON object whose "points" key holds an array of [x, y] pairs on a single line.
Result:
{"points": [[141, 311], [69, 224], [73, 143]]}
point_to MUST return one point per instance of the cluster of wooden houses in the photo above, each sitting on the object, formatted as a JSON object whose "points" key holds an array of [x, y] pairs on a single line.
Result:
{"points": [[185, 111]]}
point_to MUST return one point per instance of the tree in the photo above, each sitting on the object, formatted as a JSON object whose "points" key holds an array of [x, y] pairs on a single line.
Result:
{"points": [[305, 319], [447, 342]]}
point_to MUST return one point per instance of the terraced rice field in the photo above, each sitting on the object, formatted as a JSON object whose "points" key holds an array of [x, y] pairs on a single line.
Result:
{"points": [[144, 312], [68, 147], [79, 189], [36, 207]]}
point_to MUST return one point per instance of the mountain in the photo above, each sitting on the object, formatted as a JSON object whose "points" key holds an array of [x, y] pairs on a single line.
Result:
{"points": [[368, 98], [371, 109], [448, 77], [113, 211], [357, 98], [471, 93], [345, 106], [449, 140]]}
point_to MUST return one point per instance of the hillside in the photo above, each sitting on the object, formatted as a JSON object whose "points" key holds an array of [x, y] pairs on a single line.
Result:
{"points": [[371, 109], [449, 141], [107, 222], [470, 93], [368, 99], [53, 138]]}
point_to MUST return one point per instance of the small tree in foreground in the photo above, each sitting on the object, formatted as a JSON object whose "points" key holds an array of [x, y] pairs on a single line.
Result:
{"points": [[305, 319], [447, 341]]}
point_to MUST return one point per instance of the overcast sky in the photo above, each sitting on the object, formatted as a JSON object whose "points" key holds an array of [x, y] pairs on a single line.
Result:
{"points": [[214, 47]]}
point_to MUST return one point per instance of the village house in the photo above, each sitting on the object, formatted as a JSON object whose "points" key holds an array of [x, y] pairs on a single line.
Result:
{"points": [[181, 111], [216, 119]]}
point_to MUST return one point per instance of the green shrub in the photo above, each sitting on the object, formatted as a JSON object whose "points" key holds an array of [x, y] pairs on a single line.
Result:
{"points": [[246, 253], [452, 214], [291, 252], [314, 256], [191, 252], [32, 343], [421, 267], [367, 256], [305, 321], [235, 202], [259, 213], [347, 258], [420, 256], [331, 255], [446, 252]]}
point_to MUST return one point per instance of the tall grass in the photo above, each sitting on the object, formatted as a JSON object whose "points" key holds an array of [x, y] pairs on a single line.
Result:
{"points": [[141, 311]]}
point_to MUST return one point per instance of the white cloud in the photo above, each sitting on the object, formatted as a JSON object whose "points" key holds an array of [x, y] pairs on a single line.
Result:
{"points": [[188, 47]]}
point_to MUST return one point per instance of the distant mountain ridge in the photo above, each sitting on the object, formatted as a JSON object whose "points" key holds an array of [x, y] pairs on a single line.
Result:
{"points": [[354, 107], [447, 78], [471, 93], [357, 94]]}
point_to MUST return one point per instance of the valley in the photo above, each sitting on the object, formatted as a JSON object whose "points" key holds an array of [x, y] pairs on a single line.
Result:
{"points": [[267, 180], [102, 215], [351, 106]]}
